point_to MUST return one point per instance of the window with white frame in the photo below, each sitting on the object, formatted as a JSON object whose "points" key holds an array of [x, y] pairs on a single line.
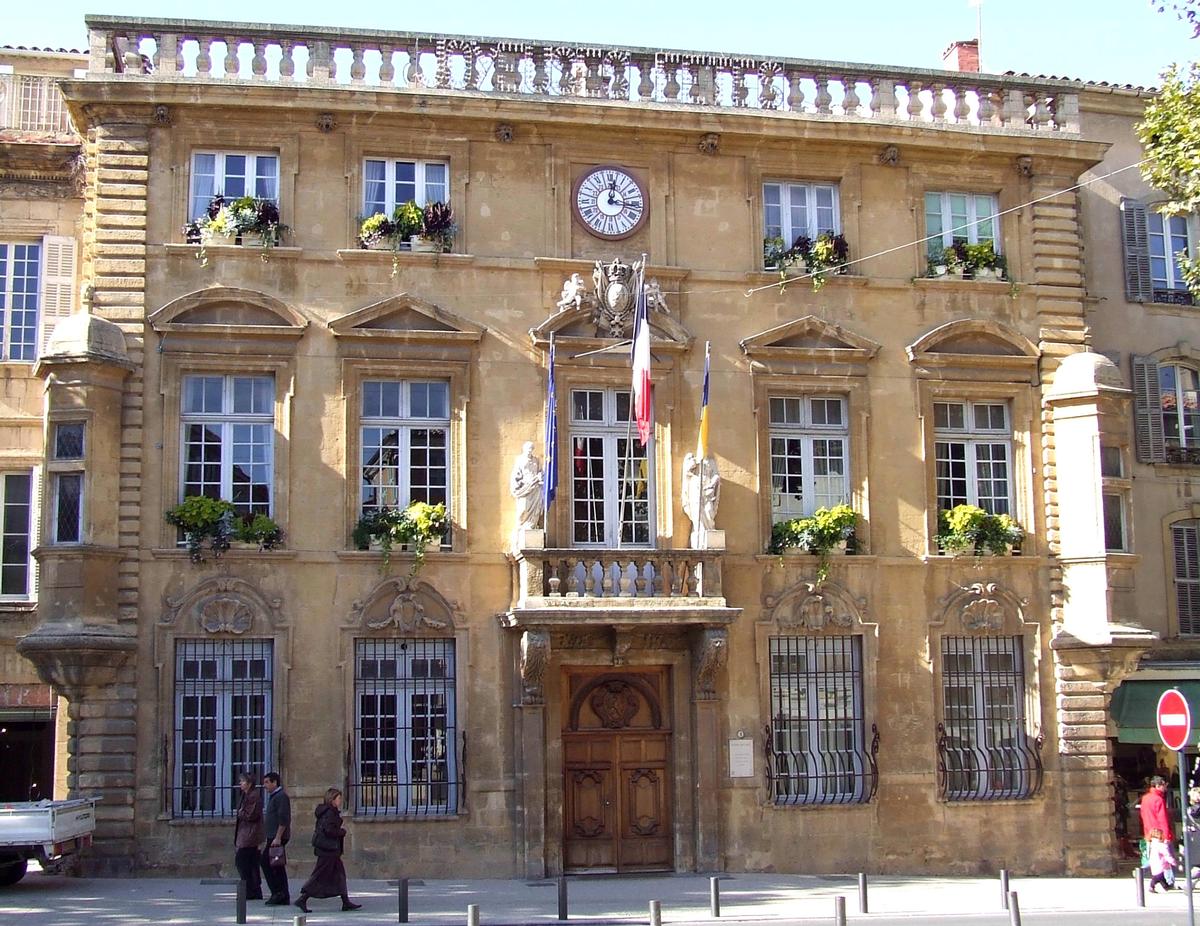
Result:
{"points": [[984, 747], [20, 276], [231, 174], [16, 535], [818, 751], [792, 210], [223, 722], [1167, 236], [1185, 537], [973, 455], [228, 439], [390, 183], [405, 730], [968, 217], [809, 455], [1114, 499], [405, 436], [612, 486], [66, 481], [1179, 394]]}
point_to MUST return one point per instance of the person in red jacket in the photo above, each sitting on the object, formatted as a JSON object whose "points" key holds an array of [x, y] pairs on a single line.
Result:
{"points": [[1153, 809]]}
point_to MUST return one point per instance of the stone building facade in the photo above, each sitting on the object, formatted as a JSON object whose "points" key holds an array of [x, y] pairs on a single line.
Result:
{"points": [[607, 691]]}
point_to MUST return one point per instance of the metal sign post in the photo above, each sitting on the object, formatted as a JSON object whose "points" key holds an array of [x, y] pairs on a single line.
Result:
{"points": [[1174, 719]]}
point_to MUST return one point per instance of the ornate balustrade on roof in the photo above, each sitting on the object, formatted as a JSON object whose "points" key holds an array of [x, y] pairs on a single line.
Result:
{"points": [[167, 49]]}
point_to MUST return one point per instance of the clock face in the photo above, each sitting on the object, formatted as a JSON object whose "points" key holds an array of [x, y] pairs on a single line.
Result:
{"points": [[610, 202]]}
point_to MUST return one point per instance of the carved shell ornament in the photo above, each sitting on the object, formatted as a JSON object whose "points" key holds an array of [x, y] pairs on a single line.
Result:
{"points": [[226, 614], [983, 607], [222, 604]]}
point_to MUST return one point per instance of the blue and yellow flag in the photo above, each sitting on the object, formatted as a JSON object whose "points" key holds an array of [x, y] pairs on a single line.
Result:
{"points": [[702, 439]]}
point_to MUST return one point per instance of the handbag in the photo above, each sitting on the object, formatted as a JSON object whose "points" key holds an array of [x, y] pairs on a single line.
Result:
{"points": [[277, 856]]}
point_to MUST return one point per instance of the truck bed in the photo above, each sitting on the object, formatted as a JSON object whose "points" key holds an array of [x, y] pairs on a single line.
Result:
{"points": [[46, 823]]}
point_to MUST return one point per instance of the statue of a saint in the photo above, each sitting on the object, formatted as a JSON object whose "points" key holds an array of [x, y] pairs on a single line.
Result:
{"points": [[525, 485], [701, 496]]}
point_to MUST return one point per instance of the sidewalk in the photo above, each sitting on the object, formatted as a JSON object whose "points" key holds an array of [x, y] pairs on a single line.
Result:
{"points": [[41, 900]]}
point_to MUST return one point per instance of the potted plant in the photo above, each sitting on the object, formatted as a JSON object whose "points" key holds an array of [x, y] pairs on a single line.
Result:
{"points": [[377, 232], [259, 531], [828, 530], [247, 220], [439, 225], [958, 261], [202, 519], [773, 253], [824, 255], [414, 527], [971, 530], [937, 262], [409, 219], [984, 262]]}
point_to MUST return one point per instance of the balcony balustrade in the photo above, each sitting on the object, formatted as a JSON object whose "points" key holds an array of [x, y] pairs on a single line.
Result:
{"points": [[33, 103], [657, 586], [163, 49]]}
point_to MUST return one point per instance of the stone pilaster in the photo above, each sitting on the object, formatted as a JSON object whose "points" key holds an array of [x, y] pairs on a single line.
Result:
{"points": [[1085, 677]]}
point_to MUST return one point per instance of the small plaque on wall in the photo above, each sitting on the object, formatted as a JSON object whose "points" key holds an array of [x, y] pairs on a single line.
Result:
{"points": [[741, 758]]}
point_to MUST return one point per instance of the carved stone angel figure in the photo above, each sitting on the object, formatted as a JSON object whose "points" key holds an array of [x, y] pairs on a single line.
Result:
{"points": [[701, 496], [575, 294], [525, 485]]}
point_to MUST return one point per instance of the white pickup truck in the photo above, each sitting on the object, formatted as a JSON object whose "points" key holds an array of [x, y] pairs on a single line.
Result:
{"points": [[49, 831]]}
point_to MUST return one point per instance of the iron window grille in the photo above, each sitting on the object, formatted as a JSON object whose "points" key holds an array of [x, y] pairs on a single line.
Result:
{"points": [[985, 751], [402, 756], [816, 749], [223, 709]]}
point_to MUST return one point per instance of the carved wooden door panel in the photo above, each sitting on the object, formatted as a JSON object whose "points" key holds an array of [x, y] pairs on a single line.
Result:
{"points": [[617, 773]]}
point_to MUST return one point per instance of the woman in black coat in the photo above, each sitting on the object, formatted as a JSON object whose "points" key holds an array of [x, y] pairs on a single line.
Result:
{"points": [[329, 874]]}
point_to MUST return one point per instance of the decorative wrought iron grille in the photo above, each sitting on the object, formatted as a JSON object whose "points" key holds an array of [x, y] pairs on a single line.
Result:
{"points": [[402, 756], [816, 750], [223, 726], [985, 751]]}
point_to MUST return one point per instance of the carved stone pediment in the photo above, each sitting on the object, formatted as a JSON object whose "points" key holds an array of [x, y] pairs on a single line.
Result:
{"points": [[406, 605], [406, 318], [812, 606], [223, 604], [221, 311], [983, 607], [978, 345], [809, 342]]}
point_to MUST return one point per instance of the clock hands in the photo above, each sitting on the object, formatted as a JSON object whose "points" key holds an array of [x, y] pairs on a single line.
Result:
{"points": [[612, 191]]}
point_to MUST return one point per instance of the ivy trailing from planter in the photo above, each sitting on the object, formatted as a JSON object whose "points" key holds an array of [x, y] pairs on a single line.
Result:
{"points": [[818, 534], [970, 529], [417, 526], [203, 519]]}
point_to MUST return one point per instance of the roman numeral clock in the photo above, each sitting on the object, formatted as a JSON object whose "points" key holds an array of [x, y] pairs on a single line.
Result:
{"points": [[610, 202]]}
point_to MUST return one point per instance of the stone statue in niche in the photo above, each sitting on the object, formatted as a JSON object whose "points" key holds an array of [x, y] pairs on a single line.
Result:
{"points": [[701, 496], [525, 485]]}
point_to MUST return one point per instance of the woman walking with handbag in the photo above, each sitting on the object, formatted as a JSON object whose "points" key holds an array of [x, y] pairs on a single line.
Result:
{"points": [[329, 874]]}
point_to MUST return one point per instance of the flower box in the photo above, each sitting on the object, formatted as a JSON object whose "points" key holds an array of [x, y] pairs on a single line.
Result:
{"points": [[422, 245]]}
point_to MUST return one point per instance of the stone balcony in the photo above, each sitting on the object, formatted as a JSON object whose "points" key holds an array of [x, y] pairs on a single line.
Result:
{"points": [[618, 588], [242, 54]]}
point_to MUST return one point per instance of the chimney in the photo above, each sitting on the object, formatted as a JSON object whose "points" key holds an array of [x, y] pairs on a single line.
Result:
{"points": [[962, 56]]}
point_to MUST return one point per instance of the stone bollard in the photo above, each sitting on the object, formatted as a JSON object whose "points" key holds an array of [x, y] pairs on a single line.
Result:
{"points": [[1003, 888], [299, 920], [839, 910], [862, 893], [563, 912], [473, 914], [655, 913], [1139, 881], [240, 910], [1014, 909], [402, 900], [714, 896]]}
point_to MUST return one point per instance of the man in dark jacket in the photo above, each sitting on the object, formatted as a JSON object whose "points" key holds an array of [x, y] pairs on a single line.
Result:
{"points": [[277, 822]]}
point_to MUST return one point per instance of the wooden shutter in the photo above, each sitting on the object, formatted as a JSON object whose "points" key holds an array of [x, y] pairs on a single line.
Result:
{"points": [[1135, 237], [1150, 442], [1187, 575], [58, 284]]}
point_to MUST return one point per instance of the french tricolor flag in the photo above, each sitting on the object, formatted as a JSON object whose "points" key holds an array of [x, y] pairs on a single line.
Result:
{"points": [[640, 358]]}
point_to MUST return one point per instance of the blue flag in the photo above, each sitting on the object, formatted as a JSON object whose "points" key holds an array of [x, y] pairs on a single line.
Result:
{"points": [[550, 476]]}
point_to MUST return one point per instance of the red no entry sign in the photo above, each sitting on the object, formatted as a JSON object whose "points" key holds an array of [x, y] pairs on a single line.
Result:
{"points": [[1174, 719]]}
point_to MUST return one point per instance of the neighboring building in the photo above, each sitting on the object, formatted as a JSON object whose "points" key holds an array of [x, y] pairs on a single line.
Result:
{"points": [[40, 209], [1142, 317], [608, 695]]}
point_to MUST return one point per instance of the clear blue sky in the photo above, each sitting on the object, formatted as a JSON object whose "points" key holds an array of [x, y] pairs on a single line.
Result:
{"points": [[1120, 41]]}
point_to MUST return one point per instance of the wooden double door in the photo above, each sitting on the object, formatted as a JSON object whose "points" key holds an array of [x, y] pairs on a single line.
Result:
{"points": [[617, 771]]}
